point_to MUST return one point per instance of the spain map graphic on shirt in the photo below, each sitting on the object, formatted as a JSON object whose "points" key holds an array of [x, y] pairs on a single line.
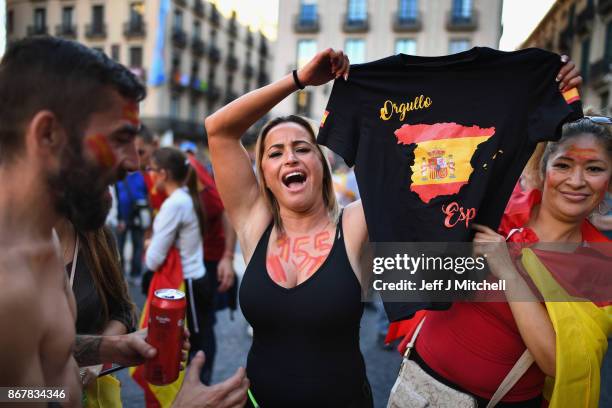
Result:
{"points": [[442, 156]]}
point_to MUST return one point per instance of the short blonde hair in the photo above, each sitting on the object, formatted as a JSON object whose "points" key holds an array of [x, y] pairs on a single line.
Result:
{"points": [[329, 195]]}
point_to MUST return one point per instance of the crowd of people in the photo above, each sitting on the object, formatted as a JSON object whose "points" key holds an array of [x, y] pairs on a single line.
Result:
{"points": [[82, 176]]}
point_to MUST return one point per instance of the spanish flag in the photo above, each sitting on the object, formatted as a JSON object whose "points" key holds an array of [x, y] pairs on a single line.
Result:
{"points": [[582, 329], [169, 275], [571, 96], [442, 156]]}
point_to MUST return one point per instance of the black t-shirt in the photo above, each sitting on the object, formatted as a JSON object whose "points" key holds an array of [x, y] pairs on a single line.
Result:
{"points": [[439, 142]]}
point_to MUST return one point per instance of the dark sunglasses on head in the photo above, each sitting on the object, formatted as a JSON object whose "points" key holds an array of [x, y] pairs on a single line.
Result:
{"points": [[604, 120]]}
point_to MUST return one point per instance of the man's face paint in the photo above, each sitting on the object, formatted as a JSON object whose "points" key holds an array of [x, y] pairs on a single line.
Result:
{"points": [[98, 146], [131, 113]]}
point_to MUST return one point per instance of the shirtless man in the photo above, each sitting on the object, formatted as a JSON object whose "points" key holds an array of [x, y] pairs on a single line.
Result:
{"points": [[68, 118]]}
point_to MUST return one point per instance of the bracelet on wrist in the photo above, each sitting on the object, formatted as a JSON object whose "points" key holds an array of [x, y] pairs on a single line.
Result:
{"points": [[296, 80]]}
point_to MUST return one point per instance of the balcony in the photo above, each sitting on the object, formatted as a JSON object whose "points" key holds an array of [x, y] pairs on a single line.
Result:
{"points": [[213, 93], [198, 88], [37, 30], [179, 38], [249, 39], [249, 71], [352, 24], [457, 22], [230, 96], [599, 69], [198, 48], [214, 54], [134, 29], [215, 17], [95, 31], [604, 7], [306, 24], [406, 24], [66, 31], [231, 63], [584, 20], [263, 79], [198, 8], [232, 27], [178, 82], [263, 47]]}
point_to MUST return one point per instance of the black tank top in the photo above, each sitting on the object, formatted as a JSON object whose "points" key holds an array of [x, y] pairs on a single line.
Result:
{"points": [[305, 350]]}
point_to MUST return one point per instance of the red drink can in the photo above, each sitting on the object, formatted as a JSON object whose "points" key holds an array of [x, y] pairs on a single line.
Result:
{"points": [[166, 322]]}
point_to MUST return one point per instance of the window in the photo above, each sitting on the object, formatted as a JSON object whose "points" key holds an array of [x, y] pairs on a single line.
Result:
{"points": [[213, 37], [605, 101], [462, 9], [136, 57], [303, 102], [229, 83], [584, 59], [355, 50], [67, 13], [455, 46], [194, 111], [197, 29], [136, 13], [175, 105], [608, 49], [408, 10], [115, 52], [178, 19], [357, 11], [306, 49], [9, 21], [308, 11], [98, 18], [571, 16], [40, 19], [405, 46]]}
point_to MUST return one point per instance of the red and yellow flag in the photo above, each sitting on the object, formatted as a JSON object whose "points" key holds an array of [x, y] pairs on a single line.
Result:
{"points": [[442, 156], [571, 96]]}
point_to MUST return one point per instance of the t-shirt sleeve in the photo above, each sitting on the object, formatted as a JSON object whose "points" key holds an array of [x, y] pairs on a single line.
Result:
{"points": [[340, 124], [549, 109]]}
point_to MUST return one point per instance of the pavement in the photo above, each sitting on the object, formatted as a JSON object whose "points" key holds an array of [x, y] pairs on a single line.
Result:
{"points": [[233, 343]]}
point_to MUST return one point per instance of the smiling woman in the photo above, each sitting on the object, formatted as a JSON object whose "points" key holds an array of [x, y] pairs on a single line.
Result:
{"points": [[301, 289]]}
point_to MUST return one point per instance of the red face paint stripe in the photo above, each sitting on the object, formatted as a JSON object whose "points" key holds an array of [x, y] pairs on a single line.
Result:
{"points": [[99, 145]]}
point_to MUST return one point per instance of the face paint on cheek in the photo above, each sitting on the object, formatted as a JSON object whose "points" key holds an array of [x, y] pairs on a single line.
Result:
{"points": [[100, 149], [131, 114]]}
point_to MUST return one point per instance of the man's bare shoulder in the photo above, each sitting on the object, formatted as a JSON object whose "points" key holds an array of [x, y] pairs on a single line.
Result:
{"points": [[27, 273]]}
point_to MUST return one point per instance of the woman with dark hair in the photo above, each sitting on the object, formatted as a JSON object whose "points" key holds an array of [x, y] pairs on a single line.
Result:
{"points": [[180, 223], [92, 263], [566, 340]]}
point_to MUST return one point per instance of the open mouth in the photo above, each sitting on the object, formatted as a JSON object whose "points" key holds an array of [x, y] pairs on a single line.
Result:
{"points": [[294, 179]]}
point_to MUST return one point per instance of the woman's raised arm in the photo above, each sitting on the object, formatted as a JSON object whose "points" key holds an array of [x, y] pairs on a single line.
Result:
{"points": [[233, 171]]}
